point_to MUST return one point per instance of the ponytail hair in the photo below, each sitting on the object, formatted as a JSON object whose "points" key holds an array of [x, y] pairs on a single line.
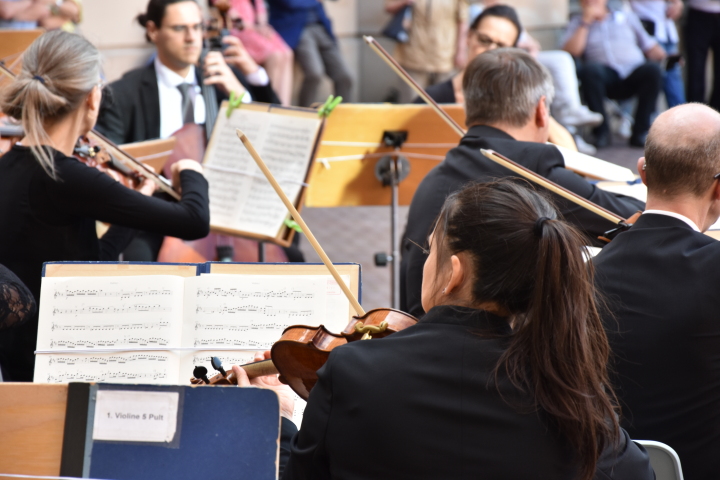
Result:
{"points": [[59, 69], [531, 264]]}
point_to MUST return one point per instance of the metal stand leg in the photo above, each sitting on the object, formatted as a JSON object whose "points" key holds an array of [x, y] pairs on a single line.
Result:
{"points": [[395, 238]]}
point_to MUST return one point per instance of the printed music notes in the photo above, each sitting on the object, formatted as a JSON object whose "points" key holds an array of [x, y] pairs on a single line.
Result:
{"points": [[155, 329], [241, 200]]}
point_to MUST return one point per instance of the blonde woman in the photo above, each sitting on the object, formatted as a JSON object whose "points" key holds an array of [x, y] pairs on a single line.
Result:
{"points": [[49, 201]]}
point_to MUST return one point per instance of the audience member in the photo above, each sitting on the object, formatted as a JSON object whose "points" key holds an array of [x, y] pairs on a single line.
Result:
{"points": [[702, 33], [66, 15], [614, 46], [437, 41], [510, 117], [660, 279], [23, 14], [306, 28], [658, 17], [567, 107], [265, 46]]}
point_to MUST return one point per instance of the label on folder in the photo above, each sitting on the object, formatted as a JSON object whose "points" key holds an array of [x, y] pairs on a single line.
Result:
{"points": [[134, 416]]}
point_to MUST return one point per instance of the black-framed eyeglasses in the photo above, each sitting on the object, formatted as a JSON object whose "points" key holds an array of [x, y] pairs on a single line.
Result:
{"points": [[185, 29], [716, 176], [486, 41]]}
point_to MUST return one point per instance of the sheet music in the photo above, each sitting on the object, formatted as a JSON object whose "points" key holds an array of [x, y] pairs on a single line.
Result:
{"points": [[88, 313], [251, 311], [240, 196], [595, 167], [636, 190], [160, 367]]}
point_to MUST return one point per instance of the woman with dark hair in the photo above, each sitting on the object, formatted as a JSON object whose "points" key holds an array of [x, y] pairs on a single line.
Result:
{"points": [[50, 201], [505, 376]]}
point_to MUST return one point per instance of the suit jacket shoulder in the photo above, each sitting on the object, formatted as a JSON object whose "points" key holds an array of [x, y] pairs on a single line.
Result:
{"points": [[130, 110]]}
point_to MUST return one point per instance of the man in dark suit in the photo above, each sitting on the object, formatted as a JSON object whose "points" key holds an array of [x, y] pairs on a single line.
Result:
{"points": [[661, 282], [156, 100], [510, 117]]}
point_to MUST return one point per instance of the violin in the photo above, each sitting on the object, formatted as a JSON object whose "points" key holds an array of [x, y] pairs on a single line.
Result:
{"points": [[302, 350], [97, 151]]}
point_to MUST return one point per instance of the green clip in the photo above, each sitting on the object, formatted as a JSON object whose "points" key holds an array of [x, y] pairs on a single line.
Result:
{"points": [[329, 106], [293, 224], [234, 102]]}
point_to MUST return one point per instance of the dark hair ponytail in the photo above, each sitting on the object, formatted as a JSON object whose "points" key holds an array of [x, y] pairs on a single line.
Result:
{"points": [[531, 264]]}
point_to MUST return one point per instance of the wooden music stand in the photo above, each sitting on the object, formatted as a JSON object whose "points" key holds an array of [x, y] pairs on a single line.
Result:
{"points": [[344, 171], [153, 153], [378, 154], [13, 43]]}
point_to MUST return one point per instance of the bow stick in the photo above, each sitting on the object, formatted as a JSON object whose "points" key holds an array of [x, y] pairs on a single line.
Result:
{"points": [[494, 156], [116, 151], [296, 216]]}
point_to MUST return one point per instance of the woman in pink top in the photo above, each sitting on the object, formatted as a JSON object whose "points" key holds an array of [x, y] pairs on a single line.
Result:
{"points": [[264, 45]]}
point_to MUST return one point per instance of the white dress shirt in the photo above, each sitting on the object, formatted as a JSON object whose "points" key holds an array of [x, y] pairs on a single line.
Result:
{"points": [[674, 215], [656, 12], [171, 117]]}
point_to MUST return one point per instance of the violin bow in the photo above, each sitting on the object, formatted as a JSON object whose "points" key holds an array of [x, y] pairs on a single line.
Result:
{"points": [[494, 156], [298, 218], [129, 160]]}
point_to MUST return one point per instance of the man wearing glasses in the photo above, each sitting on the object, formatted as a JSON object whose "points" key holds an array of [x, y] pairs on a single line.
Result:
{"points": [[660, 279], [156, 100]]}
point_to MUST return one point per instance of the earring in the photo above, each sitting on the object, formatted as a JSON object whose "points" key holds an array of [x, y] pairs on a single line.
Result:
{"points": [[443, 292]]}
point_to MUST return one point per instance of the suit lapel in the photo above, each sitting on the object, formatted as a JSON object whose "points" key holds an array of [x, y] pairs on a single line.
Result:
{"points": [[150, 101]]}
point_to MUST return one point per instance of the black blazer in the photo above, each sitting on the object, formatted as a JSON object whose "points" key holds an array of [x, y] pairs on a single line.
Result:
{"points": [[130, 109], [465, 164], [661, 280], [420, 404], [440, 92]]}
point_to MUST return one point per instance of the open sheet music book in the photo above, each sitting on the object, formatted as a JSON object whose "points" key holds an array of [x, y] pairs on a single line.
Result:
{"points": [[154, 323], [595, 168], [242, 202]]}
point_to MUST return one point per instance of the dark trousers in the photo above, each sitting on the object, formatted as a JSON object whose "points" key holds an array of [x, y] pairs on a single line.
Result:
{"points": [[702, 32], [600, 82]]}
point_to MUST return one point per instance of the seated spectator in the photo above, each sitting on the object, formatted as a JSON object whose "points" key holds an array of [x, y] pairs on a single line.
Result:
{"points": [[265, 46], [306, 28], [702, 33], [615, 45], [437, 41], [660, 279], [22, 14], [658, 17]]}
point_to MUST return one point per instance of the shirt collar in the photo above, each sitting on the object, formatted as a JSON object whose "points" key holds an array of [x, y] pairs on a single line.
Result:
{"points": [[172, 79], [674, 215]]}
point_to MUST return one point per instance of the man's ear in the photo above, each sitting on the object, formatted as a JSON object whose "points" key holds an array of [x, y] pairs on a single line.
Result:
{"points": [[542, 113], [641, 169], [152, 30]]}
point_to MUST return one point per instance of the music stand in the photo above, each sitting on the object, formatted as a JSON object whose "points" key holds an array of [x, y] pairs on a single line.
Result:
{"points": [[367, 148]]}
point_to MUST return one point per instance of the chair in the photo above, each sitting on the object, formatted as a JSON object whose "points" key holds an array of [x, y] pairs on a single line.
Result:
{"points": [[664, 460]]}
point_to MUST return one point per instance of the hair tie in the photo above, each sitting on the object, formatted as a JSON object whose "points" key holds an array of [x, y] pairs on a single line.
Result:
{"points": [[41, 79], [538, 229]]}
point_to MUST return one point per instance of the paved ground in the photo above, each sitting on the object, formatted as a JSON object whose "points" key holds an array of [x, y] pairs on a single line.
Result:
{"points": [[356, 234]]}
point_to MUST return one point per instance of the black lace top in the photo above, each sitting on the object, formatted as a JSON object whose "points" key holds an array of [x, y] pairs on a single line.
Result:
{"points": [[17, 304]]}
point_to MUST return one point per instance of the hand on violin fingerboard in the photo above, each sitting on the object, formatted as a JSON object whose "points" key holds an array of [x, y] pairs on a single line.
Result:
{"points": [[271, 382]]}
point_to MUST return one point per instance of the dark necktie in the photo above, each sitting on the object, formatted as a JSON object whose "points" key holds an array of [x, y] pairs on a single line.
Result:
{"points": [[188, 110]]}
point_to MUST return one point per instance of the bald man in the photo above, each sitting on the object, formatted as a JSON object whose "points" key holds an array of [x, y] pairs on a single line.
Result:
{"points": [[661, 280]]}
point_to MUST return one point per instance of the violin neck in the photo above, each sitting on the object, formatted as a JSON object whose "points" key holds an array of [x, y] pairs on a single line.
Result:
{"points": [[260, 369]]}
